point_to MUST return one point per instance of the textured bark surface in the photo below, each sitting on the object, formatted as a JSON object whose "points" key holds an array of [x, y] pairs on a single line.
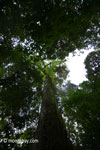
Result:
{"points": [[52, 132]]}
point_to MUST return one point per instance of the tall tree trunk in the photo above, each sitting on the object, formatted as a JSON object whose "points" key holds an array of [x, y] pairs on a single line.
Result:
{"points": [[52, 132]]}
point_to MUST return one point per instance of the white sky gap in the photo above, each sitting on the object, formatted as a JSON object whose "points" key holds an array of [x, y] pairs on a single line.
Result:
{"points": [[76, 66]]}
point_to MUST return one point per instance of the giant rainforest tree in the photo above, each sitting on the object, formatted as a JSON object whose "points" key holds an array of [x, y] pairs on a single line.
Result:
{"points": [[32, 32]]}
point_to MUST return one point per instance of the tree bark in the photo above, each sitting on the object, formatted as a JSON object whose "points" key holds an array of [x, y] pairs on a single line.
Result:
{"points": [[52, 133]]}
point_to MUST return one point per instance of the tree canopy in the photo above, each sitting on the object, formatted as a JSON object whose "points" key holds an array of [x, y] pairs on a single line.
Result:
{"points": [[93, 64], [82, 109], [31, 34], [55, 27]]}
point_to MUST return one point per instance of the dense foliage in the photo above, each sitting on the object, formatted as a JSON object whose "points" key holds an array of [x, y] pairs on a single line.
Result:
{"points": [[82, 108], [31, 33]]}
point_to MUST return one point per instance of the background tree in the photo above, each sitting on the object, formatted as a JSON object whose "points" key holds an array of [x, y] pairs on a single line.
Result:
{"points": [[82, 109], [92, 64]]}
